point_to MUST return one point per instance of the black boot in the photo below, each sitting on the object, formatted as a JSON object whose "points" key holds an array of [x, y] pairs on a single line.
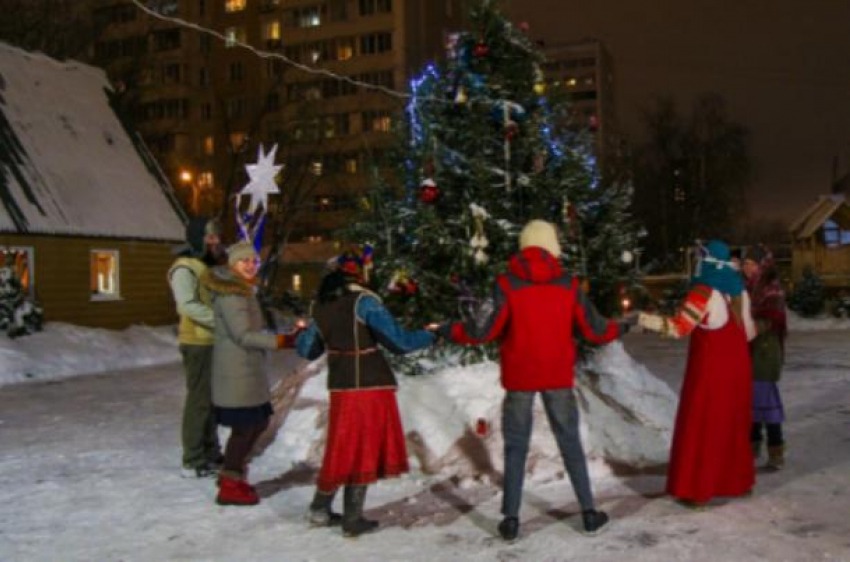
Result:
{"points": [[509, 528], [321, 514], [593, 521], [353, 523]]}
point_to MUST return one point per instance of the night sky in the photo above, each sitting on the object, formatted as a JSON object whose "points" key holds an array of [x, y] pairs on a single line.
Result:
{"points": [[782, 65]]}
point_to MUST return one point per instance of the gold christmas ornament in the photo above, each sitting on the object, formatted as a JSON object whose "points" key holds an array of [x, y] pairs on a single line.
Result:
{"points": [[461, 96]]}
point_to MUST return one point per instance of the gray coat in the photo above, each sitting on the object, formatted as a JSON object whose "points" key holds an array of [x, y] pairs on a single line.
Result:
{"points": [[239, 353]]}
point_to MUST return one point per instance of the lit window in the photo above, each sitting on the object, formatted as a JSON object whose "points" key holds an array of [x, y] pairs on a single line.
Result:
{"points": [[271, 30], [324, 203], [572, 82], [206, 180], [296, 283], [834, 236], [234, 5], [233, 35], [308, 17], [316, 168], [344, 49], [20, 260], [104, 275], [237, 141], [314, 239], [350, 165], [209, 145]]}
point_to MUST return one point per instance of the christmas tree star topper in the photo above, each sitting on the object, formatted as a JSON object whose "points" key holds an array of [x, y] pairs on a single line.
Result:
{"points": [[262, 179]]}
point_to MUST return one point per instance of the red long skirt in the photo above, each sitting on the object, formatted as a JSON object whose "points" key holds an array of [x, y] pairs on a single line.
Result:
{"points": [[711, 454], [365, 439]]}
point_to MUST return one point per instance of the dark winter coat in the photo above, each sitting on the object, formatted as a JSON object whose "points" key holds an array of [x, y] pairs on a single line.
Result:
{"points": [[768, 310], [239, 356], [350, 328], [536, 307]]}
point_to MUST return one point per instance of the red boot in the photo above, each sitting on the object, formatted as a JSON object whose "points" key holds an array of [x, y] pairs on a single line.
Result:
{"points": [[233, 491]]}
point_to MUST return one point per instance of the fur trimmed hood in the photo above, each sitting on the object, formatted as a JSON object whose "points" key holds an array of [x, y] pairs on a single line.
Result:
{"points": [[223, 281]]}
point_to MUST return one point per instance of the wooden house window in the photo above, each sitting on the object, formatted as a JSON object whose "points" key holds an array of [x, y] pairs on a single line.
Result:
{"points": [[105, 278], [20, 260], [834, 236]]}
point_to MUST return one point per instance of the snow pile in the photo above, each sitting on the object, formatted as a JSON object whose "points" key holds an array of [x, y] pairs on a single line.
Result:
{"points": [[453, 420], [797, 323], [64, 350]]}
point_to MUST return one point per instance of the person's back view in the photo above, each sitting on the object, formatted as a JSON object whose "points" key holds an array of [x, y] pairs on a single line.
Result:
{"points": [[536, 307]]}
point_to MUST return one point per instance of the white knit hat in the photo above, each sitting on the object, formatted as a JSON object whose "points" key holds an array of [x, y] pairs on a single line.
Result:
{"points": [[541, 234]]}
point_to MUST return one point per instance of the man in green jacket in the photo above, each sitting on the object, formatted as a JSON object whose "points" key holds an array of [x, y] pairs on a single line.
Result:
{"points": [[201, 451]]}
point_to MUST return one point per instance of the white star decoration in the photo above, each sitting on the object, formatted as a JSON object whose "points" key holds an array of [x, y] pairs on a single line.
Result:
{"points": [[262, 182]]}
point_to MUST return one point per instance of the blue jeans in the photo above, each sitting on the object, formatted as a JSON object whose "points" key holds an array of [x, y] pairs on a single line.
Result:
{"points": [[562, 411]]}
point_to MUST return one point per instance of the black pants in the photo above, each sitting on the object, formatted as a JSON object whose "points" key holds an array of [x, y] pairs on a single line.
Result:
{"points": [[774, 434], [240, 444]]}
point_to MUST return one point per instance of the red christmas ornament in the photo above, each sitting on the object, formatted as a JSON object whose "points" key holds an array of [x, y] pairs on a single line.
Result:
{"points": [[481, 50], [411, 287], [482, 428], [511, 130], [429, 191]]}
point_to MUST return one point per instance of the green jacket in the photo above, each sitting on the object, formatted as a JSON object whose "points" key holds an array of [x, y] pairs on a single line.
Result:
{"points": [[239, 356], [767, 354]]}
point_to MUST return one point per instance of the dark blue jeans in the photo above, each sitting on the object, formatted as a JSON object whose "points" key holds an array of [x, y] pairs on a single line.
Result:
{"points": [[562, 411]]}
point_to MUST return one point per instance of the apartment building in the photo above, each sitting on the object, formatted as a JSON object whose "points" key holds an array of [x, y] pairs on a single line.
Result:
{"points": [[585, 70], [204, 104]]}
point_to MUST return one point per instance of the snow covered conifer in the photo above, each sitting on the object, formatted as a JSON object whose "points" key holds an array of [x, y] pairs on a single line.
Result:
{"points": [[808, 297], [486, 145]]}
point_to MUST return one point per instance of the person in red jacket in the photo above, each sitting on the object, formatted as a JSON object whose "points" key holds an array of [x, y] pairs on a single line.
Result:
{"points": [[537, 306]]}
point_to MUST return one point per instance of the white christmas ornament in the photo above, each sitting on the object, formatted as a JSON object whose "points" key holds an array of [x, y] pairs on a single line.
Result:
{"points": [[262, 179], [479, 240], [627, 256]]}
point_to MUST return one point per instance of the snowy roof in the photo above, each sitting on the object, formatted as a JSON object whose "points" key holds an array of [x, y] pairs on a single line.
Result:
{"points": [[827, 207], [67, 164]]}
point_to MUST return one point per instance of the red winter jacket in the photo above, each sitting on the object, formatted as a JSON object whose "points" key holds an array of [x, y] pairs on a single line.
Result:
{"points": [[535, 308]]}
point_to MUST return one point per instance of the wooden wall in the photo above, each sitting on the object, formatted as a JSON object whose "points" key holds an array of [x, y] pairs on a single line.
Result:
{"points": [[63, 280], [832, 265]]}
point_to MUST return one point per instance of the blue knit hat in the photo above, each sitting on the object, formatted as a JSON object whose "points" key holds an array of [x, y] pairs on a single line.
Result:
{"points": [[716, 270]]}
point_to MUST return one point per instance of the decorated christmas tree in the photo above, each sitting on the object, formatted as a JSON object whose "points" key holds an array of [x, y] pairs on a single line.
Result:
{"points": [[485, 146]]}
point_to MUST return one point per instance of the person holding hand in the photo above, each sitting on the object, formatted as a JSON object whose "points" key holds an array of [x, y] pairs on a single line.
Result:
{"points": [[240, 388], [365, 439]]}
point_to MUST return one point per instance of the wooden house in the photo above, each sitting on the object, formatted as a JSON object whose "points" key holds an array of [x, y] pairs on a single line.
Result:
{"points": [[821, 241], [85, 213]]}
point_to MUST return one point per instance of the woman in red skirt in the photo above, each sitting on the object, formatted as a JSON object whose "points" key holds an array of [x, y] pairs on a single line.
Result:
{"points": [[365, 440], [711, 454]]}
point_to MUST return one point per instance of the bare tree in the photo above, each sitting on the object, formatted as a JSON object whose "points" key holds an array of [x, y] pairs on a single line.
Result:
{"points": [[59, 28], [690, 174]]}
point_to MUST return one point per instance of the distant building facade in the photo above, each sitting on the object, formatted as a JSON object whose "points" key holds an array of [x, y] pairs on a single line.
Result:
{"points": [[586, 71], [204, 105]]}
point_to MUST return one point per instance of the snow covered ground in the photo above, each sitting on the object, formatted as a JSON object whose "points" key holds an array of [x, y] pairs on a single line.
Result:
{"points": [[64, 350], [89, 471]]}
